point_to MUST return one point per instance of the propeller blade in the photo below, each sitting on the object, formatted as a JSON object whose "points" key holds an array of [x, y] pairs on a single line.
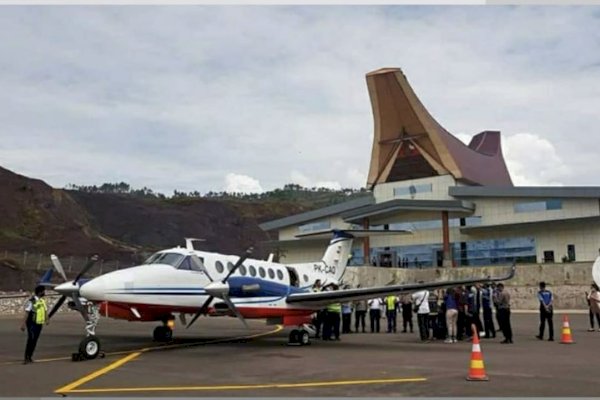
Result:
{"points": [[233, 308], [57, 306], [199, 262], [238, 263], [86, 268], [201, 311], [58, 266]]}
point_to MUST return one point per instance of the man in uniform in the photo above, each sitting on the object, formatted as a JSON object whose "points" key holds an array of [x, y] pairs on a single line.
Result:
{"points": [[546, 308], [35, 318], [391, 310]]}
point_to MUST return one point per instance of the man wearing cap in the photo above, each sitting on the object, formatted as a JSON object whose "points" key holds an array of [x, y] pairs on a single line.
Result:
{"points": [[35, 317]]}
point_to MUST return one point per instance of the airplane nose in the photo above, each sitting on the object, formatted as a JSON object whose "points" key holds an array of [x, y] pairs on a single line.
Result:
{"points": [[93, 290]]}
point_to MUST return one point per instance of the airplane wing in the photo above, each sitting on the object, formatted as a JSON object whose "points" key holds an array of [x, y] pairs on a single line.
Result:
{"points": [[325, 298]]}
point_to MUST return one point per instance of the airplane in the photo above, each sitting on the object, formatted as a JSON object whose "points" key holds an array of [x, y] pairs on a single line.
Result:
{"points": [[183, 281]]}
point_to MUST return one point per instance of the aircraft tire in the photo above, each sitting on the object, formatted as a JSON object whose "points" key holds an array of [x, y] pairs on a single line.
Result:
{"points": [[89, 348], [162, 334], [294, 337], [303, 337]]}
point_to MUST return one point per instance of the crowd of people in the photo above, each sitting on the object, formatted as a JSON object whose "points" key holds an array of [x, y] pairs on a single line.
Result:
{"points": [[447, 315], [441, 314]]}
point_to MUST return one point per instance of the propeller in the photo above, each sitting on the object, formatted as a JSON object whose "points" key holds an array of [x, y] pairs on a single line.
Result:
{"points": [[220, 289], [69, 290]]}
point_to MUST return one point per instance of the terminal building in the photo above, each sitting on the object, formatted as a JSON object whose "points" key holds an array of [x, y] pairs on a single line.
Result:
{"points": [[439, 202]]}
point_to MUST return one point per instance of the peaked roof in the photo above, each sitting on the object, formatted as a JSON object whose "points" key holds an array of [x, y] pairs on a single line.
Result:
{"points": [[409, 143]]}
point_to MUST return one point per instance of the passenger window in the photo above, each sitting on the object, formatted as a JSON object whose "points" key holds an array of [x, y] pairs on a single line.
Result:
{"points": [[229, 266], [279, 275], [271, 274], [261, 272], [219, 266], [252, 270], [242, 270], [305, 277]]}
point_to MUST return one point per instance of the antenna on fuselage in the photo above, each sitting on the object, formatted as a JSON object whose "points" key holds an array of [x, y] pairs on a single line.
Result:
{"points": [[189, 243], [270, 259]]}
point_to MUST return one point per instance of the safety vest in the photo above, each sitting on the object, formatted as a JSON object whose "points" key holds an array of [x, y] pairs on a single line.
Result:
{"points": [[390, 301], [39, 311], [335, 307]]}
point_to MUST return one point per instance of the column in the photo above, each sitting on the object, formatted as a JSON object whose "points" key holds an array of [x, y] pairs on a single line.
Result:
{"points": [[366, 244], [447, 262]]}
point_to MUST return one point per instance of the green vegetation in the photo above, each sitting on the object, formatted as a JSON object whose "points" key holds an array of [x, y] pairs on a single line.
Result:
{"points": [[290, 193]]}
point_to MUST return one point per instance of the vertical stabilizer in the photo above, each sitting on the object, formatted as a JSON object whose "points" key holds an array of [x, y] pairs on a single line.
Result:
{"points": [[338, 253]]}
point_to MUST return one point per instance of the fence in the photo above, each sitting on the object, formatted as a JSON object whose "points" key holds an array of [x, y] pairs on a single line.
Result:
{"points": [[34, 261]]}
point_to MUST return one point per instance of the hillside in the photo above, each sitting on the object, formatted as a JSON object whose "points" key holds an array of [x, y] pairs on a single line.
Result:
{"points": [[118, 222]]}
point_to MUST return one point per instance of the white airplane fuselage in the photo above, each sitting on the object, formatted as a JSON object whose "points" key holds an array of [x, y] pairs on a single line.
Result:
{"points": [[155, 291]]}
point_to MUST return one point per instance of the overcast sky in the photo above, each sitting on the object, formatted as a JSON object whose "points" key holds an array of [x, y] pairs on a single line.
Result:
{"points": [[251, 98]]}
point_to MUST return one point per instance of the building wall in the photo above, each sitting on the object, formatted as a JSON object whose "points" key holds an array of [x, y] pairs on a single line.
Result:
{"points": [[568, 282], [502, 211], [440, 184]]}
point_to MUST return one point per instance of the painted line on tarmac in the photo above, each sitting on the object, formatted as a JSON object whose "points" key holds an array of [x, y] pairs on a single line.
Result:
{"points": [[70, 388], [244, 387], [157, 348]]}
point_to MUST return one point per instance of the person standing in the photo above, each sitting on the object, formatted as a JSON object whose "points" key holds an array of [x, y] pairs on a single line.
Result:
{"points": [[360, 312], [319, 318], [346, 317], [421, 301], [332, 318], [486, 303], [391, 310], [546, 311], [35, 317], [375, 313], [502, 300], [451, 304], [594, 302], [407, 313]]}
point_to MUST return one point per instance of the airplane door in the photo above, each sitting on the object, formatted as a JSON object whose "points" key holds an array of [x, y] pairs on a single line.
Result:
{"points": [[293, 277]]}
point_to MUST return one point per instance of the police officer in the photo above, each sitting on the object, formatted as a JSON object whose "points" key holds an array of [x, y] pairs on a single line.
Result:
{"points": [[546, 311], [35, 317]]}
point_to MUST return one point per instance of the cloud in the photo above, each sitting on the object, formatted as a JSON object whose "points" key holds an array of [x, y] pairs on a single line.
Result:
{"points": [[178, 97], [236, 183], [302, 180]]}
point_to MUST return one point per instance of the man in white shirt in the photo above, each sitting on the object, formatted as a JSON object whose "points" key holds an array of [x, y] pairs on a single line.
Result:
{"points": [[421, 304], [375, 306]]}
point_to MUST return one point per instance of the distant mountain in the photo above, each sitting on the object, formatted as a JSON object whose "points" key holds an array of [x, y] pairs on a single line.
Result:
{"points": [[122, 223]]}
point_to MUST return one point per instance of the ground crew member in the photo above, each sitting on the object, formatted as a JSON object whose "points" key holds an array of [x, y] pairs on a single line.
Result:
{"points": [[407, 313], [546, 311], [360, 311], [391, 310], [332, 320], [375, 313], [35, 317]]}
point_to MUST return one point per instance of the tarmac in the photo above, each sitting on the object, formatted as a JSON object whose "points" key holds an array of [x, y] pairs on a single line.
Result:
{"points": [[218, 357]]}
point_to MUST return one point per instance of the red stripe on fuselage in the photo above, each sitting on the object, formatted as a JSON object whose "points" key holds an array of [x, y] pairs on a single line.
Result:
{"points": [[152, 312]]}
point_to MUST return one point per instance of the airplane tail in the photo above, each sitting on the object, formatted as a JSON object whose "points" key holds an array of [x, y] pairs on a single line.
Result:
{"points": [[338, 253]]}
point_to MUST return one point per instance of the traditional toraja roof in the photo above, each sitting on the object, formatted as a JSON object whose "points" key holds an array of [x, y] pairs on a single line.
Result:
{"points": [[408, 142]]}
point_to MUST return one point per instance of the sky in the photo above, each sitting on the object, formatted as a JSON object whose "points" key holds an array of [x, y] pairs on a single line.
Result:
{"points": [[250, 98]]}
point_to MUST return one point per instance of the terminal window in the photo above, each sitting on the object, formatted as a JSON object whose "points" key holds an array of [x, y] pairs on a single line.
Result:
{"points": [[412, 190], [534, 206]]}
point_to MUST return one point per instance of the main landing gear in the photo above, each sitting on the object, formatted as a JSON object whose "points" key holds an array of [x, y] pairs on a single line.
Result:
{"points": [[299, 337], [164, 333]]}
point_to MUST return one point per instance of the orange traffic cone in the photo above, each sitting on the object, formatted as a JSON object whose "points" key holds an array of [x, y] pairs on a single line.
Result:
{"points": [[566, 337], [476, 370]]}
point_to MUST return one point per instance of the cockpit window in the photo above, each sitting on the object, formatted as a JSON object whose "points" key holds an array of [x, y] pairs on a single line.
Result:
{"points": [[173, 259]]}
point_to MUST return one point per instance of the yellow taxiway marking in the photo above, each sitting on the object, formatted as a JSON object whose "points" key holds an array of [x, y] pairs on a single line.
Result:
{"points": [[257, 386], [157, 348], [69, 388], [97, 373]]}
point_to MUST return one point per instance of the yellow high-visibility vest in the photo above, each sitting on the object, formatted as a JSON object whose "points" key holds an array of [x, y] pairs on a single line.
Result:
{"points": [[391, 302], [40, 309], [335, 307]]}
